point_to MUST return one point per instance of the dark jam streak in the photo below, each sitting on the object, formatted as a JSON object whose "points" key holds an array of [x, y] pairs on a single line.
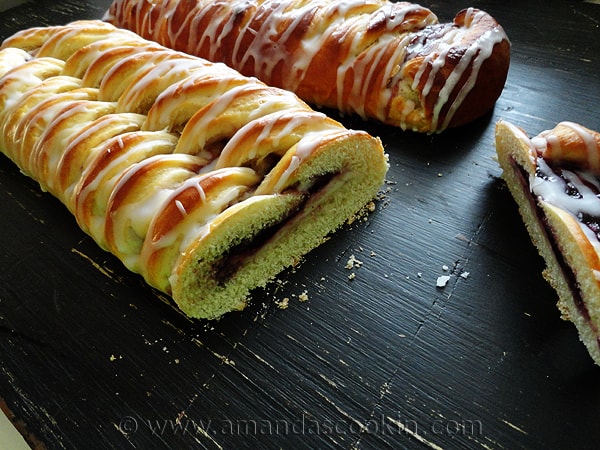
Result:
{"points": [[588, 220]]}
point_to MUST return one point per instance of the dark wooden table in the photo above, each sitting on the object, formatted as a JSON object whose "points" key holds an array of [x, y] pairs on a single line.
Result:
{"points": [[92, 358]]}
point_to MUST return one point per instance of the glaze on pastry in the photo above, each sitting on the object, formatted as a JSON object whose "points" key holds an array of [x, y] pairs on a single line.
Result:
{"points": [[393, 62], [205, 182], [555, 179]]}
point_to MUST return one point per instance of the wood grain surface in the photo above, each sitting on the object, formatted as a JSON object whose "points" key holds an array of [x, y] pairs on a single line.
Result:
{"points": [[90, 357]]}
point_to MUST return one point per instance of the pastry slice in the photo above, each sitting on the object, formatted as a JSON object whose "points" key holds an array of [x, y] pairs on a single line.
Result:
{"points": [[203, 181], [389, 61], [555, 180]]}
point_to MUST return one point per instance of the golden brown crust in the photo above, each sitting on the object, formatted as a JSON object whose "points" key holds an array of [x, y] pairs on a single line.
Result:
{"points": [[164, 157], [392, 62], [572, 144], [483, 95]]}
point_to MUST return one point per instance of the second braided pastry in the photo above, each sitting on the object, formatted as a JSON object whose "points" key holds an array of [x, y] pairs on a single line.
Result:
{"points": [[393, 62]]}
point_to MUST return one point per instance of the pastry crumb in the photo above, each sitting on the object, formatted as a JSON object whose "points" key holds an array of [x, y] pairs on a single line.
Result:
{"points": [[283, 303], [303, 297], [352, 276], [442, 281], [353, 262], [363, 213]]}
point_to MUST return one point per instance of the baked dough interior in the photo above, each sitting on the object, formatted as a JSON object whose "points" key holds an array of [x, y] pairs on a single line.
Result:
{"points": [[555, 180]]}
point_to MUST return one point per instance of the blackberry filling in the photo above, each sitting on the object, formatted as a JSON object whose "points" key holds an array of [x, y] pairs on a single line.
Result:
{"points": [[589, 220]]}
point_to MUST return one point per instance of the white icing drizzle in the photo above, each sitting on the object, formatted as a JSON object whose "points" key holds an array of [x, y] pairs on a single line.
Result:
{"points": [[90, 136], [21, 79], [98, 184], [267, 47], [275, 127], [302, 150], [46, 154], [31, 126], [474, 57], [136, 214], [199, 130], [204, 85], [549, 145], [227, 186], [159, 74], [553, 189], [12, 57]]}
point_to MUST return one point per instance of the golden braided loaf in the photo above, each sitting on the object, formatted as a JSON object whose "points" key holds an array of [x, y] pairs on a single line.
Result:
{"points": [[205, 182], [555, 179], [388, 61]]}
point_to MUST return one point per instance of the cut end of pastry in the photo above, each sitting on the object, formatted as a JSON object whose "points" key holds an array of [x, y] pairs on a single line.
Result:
{"points": [[253, 241], [560, 212], [218, 273]]}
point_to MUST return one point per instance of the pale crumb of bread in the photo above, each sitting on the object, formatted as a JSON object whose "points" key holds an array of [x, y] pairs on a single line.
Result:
{"points": [[303, 297], [382, 197], [352, 276], [363, 213], [353, 262], [442, 281], [283, 303]]}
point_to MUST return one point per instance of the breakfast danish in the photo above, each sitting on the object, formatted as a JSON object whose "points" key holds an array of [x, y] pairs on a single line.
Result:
{"points": [[205, 182], [555, 180], [393, 62]]}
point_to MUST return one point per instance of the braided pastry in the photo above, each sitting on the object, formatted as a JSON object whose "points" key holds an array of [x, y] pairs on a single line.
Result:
{"points": [[388, 61], [205, 182], [555, 179]]}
